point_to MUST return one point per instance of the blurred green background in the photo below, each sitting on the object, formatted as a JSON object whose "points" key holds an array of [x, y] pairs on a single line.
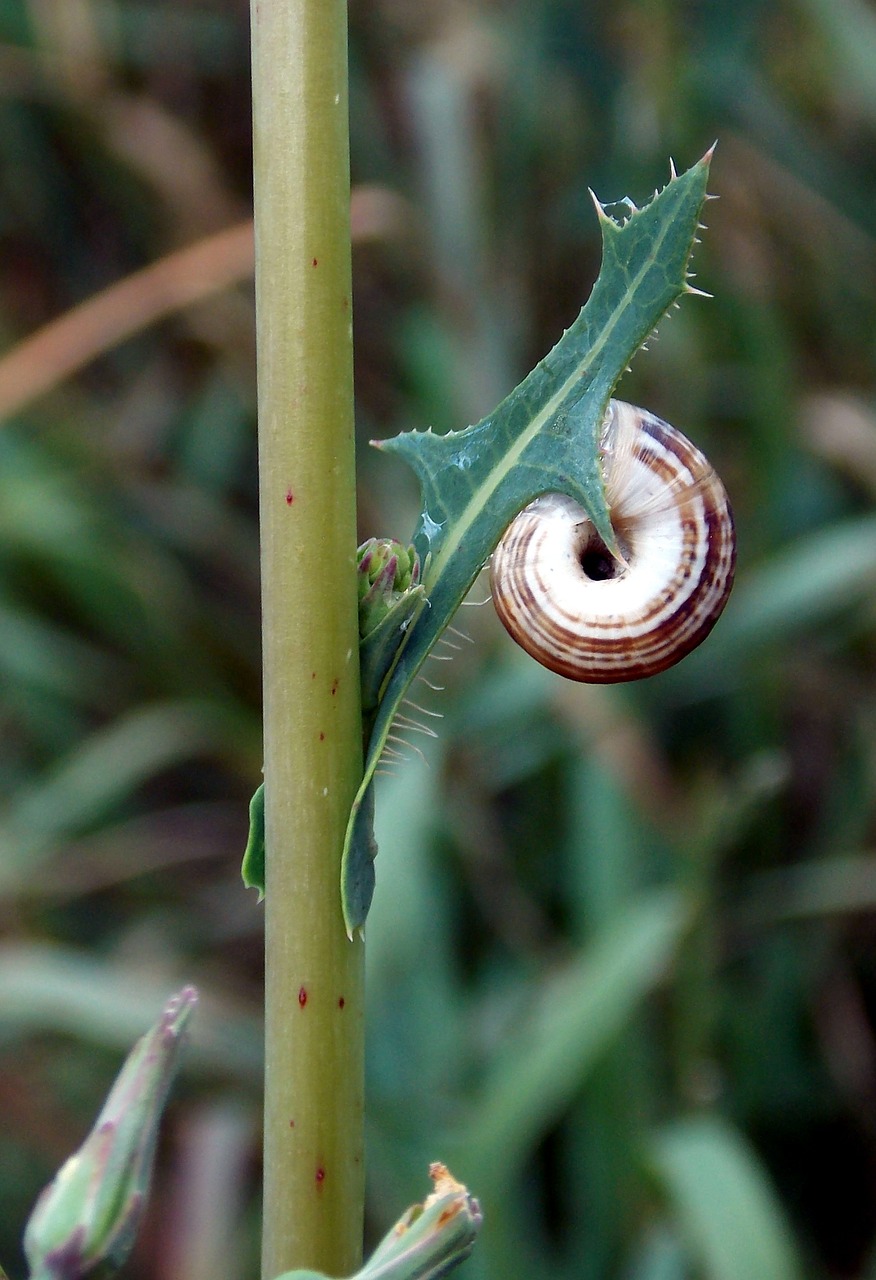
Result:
{"points": [[622, 961]]}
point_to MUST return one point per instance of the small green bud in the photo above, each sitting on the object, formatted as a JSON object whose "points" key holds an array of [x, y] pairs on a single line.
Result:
{"points": [[387, 569], [89, 1213]]}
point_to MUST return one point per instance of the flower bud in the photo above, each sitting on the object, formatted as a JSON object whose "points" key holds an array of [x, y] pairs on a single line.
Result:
{"points": [[431, 1238], [387, 569], [89, 1213]]}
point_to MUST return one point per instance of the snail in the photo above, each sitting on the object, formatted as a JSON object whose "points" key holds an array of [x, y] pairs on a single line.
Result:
{"points": [[576, 608]]}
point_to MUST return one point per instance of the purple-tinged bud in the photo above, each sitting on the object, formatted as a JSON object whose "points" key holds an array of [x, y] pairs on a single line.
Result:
{"points": [[89, 1213], [387, 569]]}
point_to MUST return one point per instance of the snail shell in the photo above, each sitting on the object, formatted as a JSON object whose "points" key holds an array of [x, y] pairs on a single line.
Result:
{"points": [[574, 607]]}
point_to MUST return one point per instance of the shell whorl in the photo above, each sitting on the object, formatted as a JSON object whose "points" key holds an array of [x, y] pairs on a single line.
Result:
{"points": [[580, 612]]}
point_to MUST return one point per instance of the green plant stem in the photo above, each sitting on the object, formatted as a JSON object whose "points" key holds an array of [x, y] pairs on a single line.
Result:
{"points": [[313, 1174]]}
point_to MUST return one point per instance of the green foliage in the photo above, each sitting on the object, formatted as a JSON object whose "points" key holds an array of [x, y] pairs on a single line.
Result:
{"points": [[543, 438], [725, 1206], [253, 868], [579, 1016], [742, 781]]}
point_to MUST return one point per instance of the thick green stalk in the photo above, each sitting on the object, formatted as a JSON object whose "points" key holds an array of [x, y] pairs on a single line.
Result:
{"points": [[313, 1176]]}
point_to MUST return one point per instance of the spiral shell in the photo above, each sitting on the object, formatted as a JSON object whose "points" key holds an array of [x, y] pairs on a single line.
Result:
{"points": [[577, 609]]}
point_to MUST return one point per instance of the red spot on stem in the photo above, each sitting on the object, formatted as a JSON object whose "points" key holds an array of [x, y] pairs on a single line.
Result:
{"points": [[320, 1174], [322, 737], [291, 1124], [302, 996], [341, 1002], [315, 263], [290, 497], [335, 684]]}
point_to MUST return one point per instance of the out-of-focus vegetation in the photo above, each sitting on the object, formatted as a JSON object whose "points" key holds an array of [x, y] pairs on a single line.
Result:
{"points": [[622, 954]]}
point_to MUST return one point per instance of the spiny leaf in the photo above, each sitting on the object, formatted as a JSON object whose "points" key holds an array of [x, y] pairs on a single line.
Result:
{"points": [[544, 437]]}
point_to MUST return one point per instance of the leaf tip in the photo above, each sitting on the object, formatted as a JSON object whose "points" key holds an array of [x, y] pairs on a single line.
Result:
{"points": [[600, 209]]}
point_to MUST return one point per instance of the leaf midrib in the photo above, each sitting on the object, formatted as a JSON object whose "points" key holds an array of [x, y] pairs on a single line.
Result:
{"points": [[480, 496]]}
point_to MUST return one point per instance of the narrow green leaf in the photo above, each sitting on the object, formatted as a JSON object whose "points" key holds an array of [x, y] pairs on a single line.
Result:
{"points": [[578, 1018], [99, 774], [106, 1001], [660, 1257], [725, 1204], [544, 437], [818, 887]]}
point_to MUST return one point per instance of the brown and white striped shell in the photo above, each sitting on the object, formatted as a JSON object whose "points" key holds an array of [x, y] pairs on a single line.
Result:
{"points": [[581, 612]]}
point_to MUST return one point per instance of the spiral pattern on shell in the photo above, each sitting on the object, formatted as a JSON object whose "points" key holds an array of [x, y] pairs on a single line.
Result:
{"points": [[577, 609]]}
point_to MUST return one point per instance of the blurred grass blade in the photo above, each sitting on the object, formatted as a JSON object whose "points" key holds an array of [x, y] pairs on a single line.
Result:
{"points": [[805, 584], [661, 1257], [725, 1204], [578, 1016], [802, 585], [821, 887], [413, 1010], [848, 28], [106, 1001], [101, 773], [38, 654]]}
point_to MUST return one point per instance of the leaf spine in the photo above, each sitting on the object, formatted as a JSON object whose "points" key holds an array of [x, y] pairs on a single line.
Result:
{"points": [[436, 688], [411, 746], [461, 634], [407, 725], [437, 715]]}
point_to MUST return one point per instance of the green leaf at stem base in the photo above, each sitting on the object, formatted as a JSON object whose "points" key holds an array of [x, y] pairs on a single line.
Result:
{"points": [[253, 868]]}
